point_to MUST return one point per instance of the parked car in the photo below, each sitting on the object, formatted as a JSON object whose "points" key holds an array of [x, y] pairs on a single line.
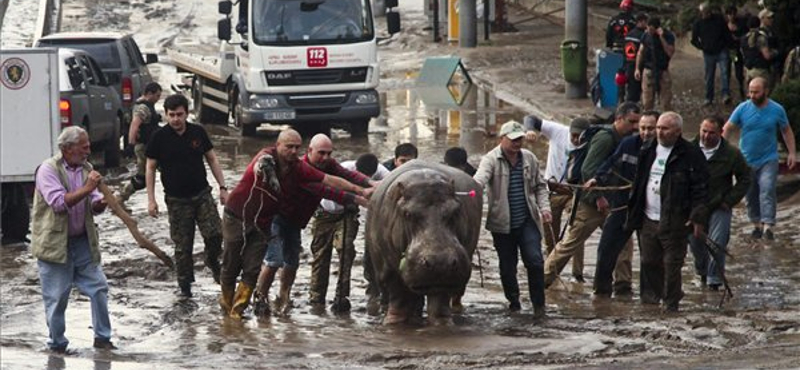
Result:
{"points": [[119, 58], [88, 100]]}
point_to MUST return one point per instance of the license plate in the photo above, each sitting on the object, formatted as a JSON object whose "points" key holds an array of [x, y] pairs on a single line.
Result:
{"points": [[280, 115]]}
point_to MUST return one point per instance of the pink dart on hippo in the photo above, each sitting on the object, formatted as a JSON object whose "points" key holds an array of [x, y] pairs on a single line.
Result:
{"points": [[422, 228]]}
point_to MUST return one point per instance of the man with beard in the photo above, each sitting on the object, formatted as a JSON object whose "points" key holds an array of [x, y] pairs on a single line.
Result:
{"points": [[759, 120], [669, 194]]}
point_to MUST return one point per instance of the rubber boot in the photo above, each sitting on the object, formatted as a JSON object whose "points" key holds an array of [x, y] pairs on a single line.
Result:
{"points": [[287, 279], [241, 300], [226, 298]]}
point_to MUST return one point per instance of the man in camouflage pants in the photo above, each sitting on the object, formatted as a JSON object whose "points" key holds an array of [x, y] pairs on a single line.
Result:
{"points": [[178, 150], [336, 226], [145, 121]]}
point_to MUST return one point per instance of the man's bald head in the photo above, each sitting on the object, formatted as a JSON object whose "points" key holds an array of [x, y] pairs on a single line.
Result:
{"points": [[288, 145], [319, 149], [289, 135], [758, 91], [759, 81]]}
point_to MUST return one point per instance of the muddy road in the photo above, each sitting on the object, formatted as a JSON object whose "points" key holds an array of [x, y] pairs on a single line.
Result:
{"points": [[759, 327]]}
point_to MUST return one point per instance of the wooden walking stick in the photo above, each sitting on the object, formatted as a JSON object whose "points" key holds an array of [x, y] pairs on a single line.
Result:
{"points": [[132, 226]]}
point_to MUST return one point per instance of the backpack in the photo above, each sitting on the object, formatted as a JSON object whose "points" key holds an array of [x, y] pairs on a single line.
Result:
{"points": [[578, 155]]}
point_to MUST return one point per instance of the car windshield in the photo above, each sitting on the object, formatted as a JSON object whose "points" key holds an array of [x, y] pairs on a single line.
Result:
{"points": [[104, 52], [303, 22]]}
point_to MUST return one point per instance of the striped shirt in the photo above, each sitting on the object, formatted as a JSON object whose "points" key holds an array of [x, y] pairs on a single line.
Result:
{"points": [[517, 204]]}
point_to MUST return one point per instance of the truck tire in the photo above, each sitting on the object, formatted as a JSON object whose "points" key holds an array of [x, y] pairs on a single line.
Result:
{"points": [[16, 216], [245, 129], [202, 112], [112, 152], [359, 128]]}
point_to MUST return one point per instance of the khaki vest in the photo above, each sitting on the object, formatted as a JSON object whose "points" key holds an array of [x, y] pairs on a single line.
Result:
{"points": [[49, 229]]}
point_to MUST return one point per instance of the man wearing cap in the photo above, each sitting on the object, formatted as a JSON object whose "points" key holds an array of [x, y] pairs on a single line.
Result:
{"points": [[759, 54], [562, 140], [518, 208], [592, 207]]}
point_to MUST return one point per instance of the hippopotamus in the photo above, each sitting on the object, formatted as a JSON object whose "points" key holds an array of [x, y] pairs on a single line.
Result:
{"points": [[422, 229]]}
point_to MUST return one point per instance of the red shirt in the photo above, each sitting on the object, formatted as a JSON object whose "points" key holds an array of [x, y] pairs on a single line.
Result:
{"points": [[260, 198], [305, 200]]}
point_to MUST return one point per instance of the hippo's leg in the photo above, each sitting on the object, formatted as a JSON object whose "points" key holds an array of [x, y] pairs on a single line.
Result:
{"points": [[404, 308], [439, 308], [456, 306]]}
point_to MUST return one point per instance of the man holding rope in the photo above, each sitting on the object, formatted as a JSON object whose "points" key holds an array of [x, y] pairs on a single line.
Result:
{"points": [[725, 163], [615, 250], [592, 207]]}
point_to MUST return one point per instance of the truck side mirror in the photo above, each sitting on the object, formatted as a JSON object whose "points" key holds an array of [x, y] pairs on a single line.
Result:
{"points": [[393, 22], [224, 29], [225, 7], [151, 58], [390, 3]]}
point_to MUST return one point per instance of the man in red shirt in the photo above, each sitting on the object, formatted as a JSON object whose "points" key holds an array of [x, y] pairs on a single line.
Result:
{"points": [[253, 204], [283, 251]]}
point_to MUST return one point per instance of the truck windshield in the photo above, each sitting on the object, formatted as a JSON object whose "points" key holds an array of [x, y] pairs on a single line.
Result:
{"points": [[303, 22]]}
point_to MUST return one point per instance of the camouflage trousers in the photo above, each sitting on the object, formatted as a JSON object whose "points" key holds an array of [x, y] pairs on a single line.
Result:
{"points": [[332, 231], [184, 214], [137, 181], [245, 246]]}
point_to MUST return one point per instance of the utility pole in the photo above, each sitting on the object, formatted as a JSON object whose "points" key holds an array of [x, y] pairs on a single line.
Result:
{"points": [[467, 24], [575, 29]]}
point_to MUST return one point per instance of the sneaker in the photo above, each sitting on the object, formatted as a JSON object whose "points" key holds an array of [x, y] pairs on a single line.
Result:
{"points": [[539, 312], [260, 305], [103, 344], [514, 306], [756, 233], [341, 305], [700, 281], [769, 235], [714, 287], [623, 291], [579, 278]]}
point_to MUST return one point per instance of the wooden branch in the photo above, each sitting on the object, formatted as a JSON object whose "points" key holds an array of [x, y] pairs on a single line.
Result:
{"points": [[132, 226]]}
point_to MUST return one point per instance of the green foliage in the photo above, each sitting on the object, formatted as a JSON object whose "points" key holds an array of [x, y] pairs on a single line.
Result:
{"points": [[788, 95]]}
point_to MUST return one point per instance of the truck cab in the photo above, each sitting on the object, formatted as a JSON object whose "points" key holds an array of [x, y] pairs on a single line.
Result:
{"points": [[304, 62]]}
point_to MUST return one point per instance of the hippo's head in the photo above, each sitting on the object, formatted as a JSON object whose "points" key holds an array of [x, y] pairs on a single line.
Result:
{"points": [[267, 171], [435, 260]]}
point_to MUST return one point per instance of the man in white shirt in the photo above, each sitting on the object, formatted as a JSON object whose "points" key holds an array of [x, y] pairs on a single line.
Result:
{"points": [[336, 226], [562, 140]]}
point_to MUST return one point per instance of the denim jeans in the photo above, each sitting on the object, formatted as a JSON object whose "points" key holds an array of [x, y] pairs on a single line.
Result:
{"points": [[283, 250], [719, 230], [528, 240], [612, 241], [57, 280], [761, 196], [711, 61]]}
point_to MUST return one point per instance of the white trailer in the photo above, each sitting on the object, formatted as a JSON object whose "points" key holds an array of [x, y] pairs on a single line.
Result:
{"points": [[29, 126], [301, 62]]}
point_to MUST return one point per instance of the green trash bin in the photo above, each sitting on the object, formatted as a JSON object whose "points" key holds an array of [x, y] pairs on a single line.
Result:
{"points": [[573, 61]]}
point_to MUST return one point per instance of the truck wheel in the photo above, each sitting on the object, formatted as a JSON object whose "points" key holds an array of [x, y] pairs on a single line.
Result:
{"points": [[202, 112], [16, 216], [359, 128], [245, 129], [112, 152]]}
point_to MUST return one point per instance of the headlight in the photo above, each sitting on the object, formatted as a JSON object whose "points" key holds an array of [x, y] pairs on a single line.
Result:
{"points": [[366, 98], [263, 102]]}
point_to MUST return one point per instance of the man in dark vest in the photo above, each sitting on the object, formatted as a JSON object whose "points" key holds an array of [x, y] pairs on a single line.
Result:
{"points": [[633, 89], [759, 55], [145, 121], [620, 25]]}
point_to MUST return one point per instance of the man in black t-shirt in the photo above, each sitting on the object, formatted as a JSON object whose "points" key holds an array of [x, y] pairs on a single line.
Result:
{"points": [[652, 65], [177, 150]]}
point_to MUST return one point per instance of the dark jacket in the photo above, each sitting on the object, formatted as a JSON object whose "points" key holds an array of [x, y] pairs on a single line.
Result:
{"points": [[601, 147], [684, 188], [711, 35], [620, 169], [725, 165]]}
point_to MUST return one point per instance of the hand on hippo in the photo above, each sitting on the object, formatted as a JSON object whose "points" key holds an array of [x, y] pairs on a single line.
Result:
{"points": [[367, 192], [361, 201]]}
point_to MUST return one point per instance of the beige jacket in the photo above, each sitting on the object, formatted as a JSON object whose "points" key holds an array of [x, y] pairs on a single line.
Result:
{"points": [[493, 174]]}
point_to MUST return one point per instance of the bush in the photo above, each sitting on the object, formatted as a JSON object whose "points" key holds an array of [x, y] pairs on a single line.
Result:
{"points": [[788, 95]]}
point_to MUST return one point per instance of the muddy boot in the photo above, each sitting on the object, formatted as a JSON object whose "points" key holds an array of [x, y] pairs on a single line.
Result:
{"points": [[287, 280], [341, 305], [241, 300], [226, 298], [260, 305]]}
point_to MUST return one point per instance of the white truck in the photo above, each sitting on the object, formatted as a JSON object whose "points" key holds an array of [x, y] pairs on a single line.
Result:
{"points": [[309, 63], [29, 126]]}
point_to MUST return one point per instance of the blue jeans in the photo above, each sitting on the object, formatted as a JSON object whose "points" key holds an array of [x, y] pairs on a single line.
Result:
{"points": [[719, 230], [57, 280], [528, 240], [761, 198], [711, 61], [283, 250]]}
